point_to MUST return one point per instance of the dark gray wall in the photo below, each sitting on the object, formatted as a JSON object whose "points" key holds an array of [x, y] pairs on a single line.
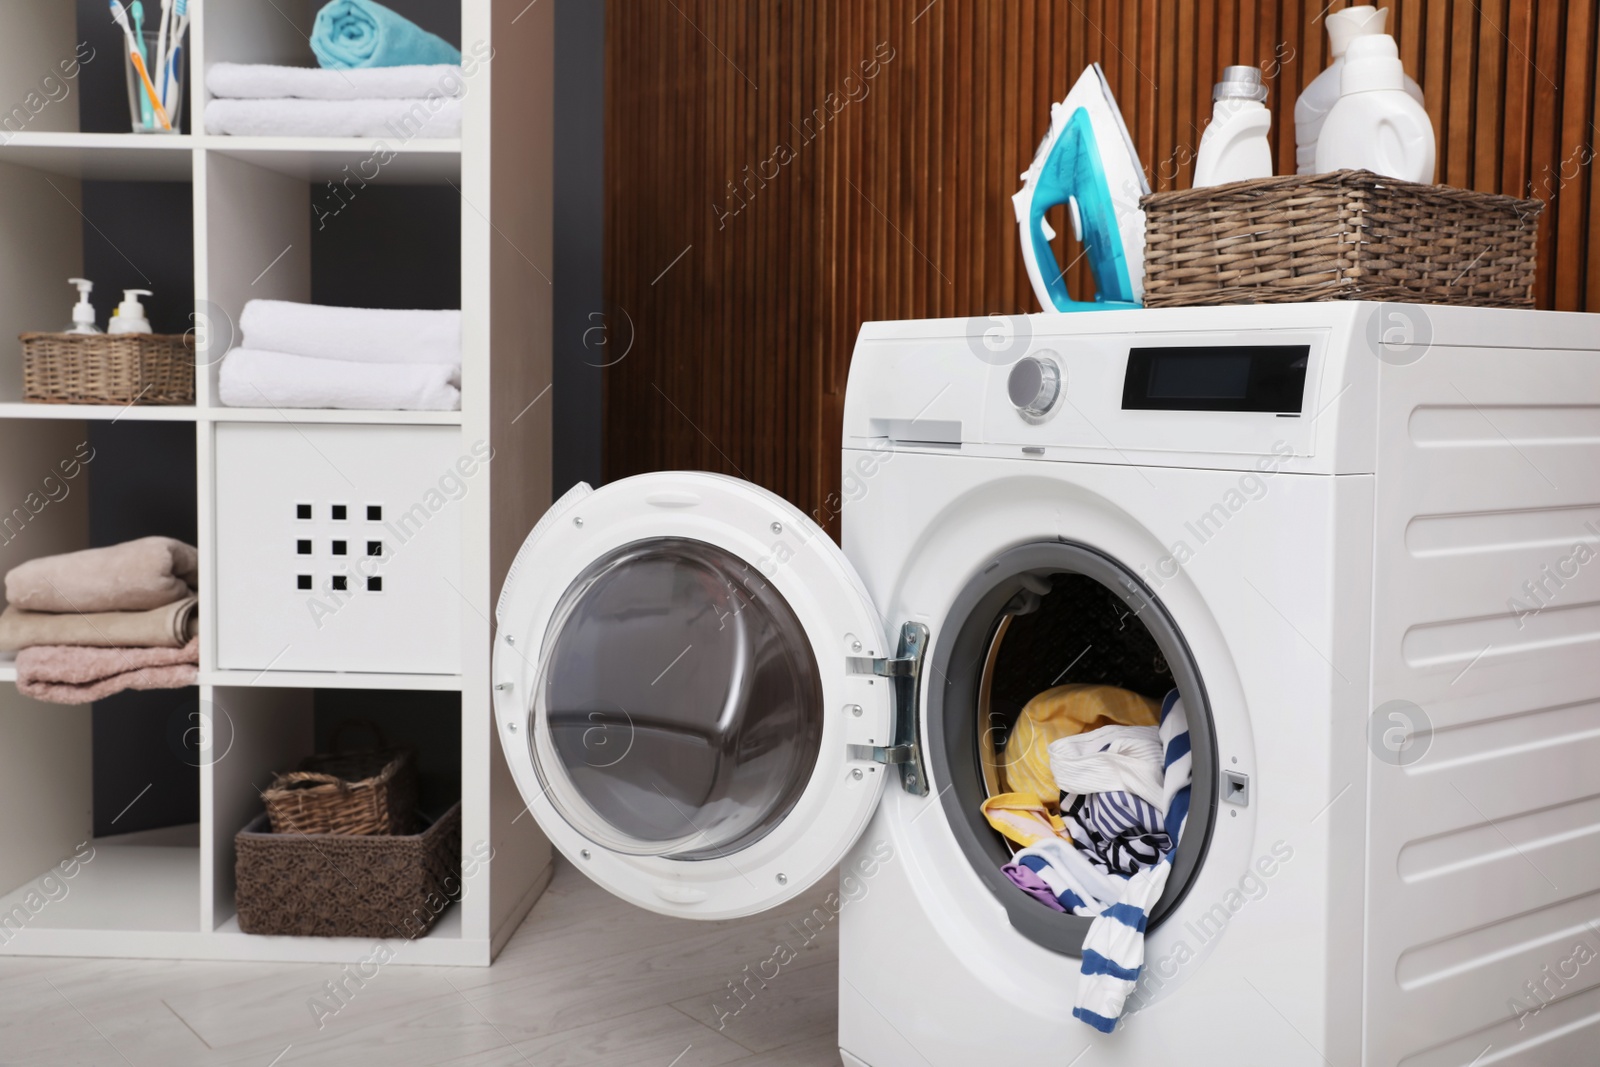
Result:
{"points": [[427, 723], [390, 246], [140, 235], [581, 318], [142, 483]]}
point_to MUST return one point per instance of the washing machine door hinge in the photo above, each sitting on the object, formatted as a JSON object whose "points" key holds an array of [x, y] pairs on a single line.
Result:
{"points": [[904, 671]]}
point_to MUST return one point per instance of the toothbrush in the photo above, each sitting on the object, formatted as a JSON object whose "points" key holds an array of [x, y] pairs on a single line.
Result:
{"points": [[161, 50], [147, 116], [120, 15], [170, 100], [174, 67]]}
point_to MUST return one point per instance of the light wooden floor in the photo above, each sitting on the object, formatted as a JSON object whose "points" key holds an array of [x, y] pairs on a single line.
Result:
{"points": [[587, 980]]}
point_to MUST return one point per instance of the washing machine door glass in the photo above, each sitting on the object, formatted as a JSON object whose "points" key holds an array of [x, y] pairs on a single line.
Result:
{"points": [[685, 689], [703, 756]]}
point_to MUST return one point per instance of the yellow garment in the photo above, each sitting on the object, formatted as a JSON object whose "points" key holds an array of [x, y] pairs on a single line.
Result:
{"points": [[1023, 818], [1062, 712]]}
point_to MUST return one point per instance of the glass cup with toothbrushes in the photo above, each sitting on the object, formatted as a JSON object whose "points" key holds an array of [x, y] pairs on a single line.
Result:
{"points": [[155, 44]]}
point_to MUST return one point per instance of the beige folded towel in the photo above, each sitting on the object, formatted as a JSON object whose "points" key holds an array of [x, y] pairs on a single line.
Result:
{"points": [[171, 626], [69, 674], [133, 576]]}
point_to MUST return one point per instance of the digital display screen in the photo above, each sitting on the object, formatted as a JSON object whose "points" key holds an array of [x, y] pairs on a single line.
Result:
{"points": [[1265, 378], [1204, 377]]}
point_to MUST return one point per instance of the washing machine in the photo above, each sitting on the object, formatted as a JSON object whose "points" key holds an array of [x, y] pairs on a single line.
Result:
{"points": [[1358, 539]]}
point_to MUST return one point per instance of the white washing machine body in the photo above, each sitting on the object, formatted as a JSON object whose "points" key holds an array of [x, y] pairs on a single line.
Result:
{"points": [[1321, 515]]}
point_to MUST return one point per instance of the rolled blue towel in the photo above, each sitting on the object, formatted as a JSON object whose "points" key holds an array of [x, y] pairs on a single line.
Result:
{"points": [[359, 33]]}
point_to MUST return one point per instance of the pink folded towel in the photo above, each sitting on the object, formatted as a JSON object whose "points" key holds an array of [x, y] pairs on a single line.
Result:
{"points": [[132, 576], [75, 674]]}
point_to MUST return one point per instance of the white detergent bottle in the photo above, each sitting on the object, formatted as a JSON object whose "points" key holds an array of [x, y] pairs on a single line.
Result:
{"points": [[129, 316], [1376, 125], [1234, 146], [1319, 97]]}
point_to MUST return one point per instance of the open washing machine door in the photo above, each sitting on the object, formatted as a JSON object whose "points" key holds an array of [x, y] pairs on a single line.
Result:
{"points": [[695, 693]]}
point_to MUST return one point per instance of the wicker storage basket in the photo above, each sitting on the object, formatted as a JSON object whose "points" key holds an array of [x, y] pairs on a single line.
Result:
{"points": [[333, 885], [373, 791], [1348, 235], [65, 368]]}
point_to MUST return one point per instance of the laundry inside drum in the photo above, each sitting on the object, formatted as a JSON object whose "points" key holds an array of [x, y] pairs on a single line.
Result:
{"points": [[1057, 660], [1066, 643]]}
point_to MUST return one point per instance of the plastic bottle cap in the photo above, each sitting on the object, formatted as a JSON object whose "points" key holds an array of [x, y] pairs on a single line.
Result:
{"points": [[1373, 63], [1353, 22], [1240, 83], [130, 308]]}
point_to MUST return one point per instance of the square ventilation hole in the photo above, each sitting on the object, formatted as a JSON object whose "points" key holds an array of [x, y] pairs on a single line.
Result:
{"points": [[374, 548], [374, 513], [341, 548], [302, 547], [375, 584], [340, 512], [303, 582], [340, 583], [302, 512]]}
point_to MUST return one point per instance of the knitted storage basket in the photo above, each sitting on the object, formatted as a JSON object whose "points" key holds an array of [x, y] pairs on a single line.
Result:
{"points": [[373, 791], [65, 368], [335, 885], [1348, 235]]}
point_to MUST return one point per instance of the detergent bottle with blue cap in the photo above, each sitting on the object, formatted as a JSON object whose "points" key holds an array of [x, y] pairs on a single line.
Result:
{"points": [[1087, 162]]}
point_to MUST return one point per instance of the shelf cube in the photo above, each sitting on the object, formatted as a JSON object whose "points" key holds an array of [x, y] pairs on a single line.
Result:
{"points": [[339, 547]]}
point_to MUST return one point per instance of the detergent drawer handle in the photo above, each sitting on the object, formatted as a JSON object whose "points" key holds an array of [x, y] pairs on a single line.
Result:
{"points": [[904, 670]]}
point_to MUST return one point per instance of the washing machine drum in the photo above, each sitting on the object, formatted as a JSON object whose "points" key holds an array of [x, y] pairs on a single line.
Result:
{"points": [[1039, 616]]}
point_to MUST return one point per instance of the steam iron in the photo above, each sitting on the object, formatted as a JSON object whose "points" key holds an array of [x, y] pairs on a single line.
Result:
{"points": [[1087, 161]]}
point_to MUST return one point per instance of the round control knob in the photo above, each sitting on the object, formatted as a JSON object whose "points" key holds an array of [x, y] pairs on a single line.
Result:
{"points": [[1035, 385]]}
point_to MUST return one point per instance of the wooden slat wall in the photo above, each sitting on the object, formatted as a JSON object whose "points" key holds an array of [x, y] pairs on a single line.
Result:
{"points": [[766, 193]]}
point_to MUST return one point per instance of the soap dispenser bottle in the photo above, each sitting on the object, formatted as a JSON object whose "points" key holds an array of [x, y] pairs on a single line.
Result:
{"points": [[129, 316], [1376, 125], [1312, 108], [82, 311], [1234, 146]]}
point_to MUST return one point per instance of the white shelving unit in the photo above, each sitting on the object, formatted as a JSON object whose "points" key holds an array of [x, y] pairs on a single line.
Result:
{"points": [[169, 893]]}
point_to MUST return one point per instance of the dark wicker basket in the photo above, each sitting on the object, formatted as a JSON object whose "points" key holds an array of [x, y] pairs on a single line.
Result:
{"points": [[66, 368], [373, 791], [334, 885], [1348, 235]]}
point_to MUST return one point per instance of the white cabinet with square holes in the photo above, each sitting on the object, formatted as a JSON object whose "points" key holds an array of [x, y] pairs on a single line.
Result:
{"points": [[339, 550], [339, 547]]}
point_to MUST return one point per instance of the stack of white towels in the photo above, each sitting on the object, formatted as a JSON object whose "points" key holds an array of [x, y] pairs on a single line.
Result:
{"points": [[310, 356], [256, 100]]}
